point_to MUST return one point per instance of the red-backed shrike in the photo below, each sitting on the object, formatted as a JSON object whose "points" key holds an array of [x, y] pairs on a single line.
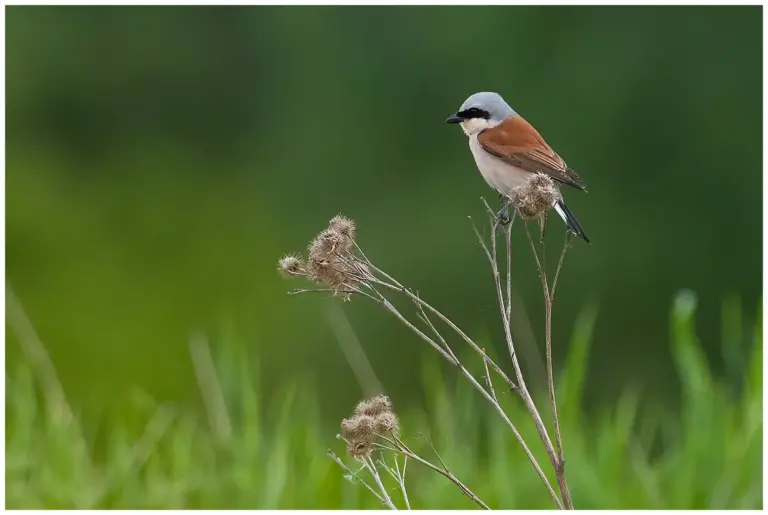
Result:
{"points": [[508, 151]]}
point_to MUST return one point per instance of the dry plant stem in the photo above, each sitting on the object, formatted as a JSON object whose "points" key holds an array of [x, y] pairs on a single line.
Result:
{"points": [[451, 357], [559, 464], [490, 394], [346, 469], [566, 246], [509, 269], [522, 388], [491, 255], [555, 457], [549, 301], [558, 503], [360, 275], [492, 399], [371, 466], [420, 303], [398, 476], [401, 480], [463, 336], [398, 446], [423, 316], [392, 309], [488, 380], [299, 291]]}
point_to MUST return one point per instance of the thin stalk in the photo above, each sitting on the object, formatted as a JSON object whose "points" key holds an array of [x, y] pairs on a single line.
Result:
{"points": [[494, 402], [522, 388], [559, 463], [352, 475], [401, 474], [400, 447], [396, 286], [371, 466]]}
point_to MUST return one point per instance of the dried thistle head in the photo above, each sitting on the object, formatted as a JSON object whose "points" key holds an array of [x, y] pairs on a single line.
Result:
{"points": [[387, 424], [328, 260], [359, 449], [291, 265], [332, 272], [374, 406], [373, 417], [359, 427], [343, 226], [360, 432], [331, 259], [325, 245], [535, 197], [338, 275]]}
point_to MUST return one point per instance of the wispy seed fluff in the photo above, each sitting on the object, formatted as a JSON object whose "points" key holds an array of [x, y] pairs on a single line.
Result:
{"points": [[535, 197], [374, 406], [290, 266], [343, 226], [387, 423]]}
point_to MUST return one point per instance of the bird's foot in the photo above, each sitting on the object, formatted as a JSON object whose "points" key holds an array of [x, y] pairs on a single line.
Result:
{"points": [[502, 217]]}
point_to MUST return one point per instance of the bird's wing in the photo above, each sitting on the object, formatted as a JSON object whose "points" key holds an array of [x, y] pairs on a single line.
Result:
{"points": [[516, 142]]}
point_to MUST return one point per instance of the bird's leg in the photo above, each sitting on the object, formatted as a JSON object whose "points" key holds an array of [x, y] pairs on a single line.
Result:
{"points": [[502, 217]]}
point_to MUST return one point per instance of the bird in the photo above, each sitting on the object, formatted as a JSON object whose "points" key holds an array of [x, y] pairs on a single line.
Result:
{"points": [[509, 151]]}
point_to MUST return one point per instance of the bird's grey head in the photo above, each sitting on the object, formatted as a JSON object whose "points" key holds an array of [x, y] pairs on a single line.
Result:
{"points": [[481, 111]]}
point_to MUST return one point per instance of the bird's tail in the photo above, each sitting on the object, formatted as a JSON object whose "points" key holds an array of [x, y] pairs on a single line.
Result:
{"points": [[570, 220]]}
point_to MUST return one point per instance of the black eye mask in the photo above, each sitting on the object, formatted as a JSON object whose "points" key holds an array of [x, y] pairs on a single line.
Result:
{"points": [[473, 112]]}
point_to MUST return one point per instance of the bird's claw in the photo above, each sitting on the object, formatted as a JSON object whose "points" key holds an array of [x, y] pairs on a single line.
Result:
{"points": [[502, 217]]}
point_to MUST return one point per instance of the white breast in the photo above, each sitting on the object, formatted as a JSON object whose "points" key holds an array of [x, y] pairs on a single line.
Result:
{"points": [[499, 175]]}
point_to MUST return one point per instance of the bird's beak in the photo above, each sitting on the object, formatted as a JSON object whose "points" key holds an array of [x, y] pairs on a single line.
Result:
{"points": [[454, 118]]}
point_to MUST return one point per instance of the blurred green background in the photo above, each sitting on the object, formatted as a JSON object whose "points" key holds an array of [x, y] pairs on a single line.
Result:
{"points": [[161, 159]]}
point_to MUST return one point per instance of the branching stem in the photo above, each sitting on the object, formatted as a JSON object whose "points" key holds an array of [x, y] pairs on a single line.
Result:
{"points": [[343, 268]]}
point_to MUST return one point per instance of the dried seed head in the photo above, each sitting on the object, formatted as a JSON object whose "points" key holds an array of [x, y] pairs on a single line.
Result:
{"points": [[343, 226], [359, 449], [535, 197], [542, 185], [387, 423], [359, 427], [360, 432], [330, 272], [291, 265], [331, 260], [325, 245], [327, 262], [338, 275], [374, 406]]}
